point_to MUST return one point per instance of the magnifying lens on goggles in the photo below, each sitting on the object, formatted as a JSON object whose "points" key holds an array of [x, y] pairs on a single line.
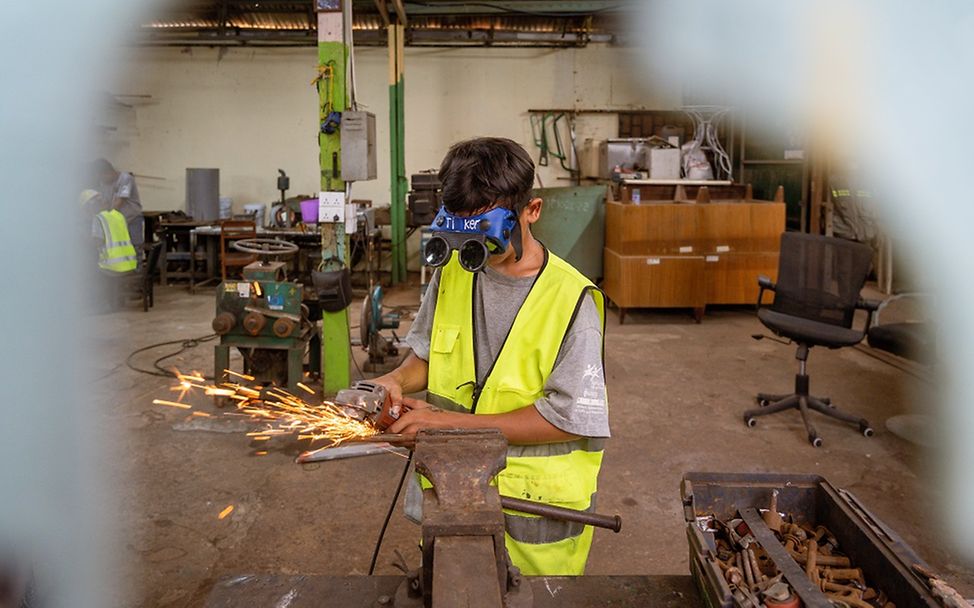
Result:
{"points": [[473, 255], [474, 238]]}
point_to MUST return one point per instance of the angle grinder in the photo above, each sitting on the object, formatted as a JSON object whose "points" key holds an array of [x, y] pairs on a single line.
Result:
{"points": [[370, 401]]}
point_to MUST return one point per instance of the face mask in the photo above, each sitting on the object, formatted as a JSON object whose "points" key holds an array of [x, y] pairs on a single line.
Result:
{"points": [[474, 238]]}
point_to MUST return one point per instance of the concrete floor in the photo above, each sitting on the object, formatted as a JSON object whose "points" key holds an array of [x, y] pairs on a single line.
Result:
{"points": [[676, 392]]}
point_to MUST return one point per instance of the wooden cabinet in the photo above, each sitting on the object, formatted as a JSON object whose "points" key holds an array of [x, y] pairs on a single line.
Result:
{"points": [[665, 281], [653, 229], [732, 278], [688, 254]]}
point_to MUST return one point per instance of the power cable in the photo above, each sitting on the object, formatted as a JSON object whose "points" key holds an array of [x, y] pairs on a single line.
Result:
{"points": [[392, 507], [159, 371]]}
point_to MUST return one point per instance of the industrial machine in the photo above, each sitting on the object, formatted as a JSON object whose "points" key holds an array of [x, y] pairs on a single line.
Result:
{"points": [[263, 317], [381, 348], [424, 200]]}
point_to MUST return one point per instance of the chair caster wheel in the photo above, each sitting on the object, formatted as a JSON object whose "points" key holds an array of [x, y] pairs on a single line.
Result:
{"points": [[866, 431], [763, 402], [815, 441], [750, 422]]}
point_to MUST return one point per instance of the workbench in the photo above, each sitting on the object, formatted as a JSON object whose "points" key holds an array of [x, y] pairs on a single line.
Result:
{"points": [[308, 238], [175, 236], [270, 590]]}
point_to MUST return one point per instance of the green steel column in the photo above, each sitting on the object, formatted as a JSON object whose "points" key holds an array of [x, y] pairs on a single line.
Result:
{"points": [[399, 185], [332, 96]]}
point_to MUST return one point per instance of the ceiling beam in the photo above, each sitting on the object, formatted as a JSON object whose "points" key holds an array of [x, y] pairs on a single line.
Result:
{"points": [[383, 11], [400, 11]]}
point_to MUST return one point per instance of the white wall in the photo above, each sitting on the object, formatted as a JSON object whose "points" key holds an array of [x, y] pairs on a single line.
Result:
{"points": [[252, 111]]}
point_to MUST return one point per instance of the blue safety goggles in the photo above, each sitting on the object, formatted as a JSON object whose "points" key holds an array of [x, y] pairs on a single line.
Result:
{"points": [[475, 238]]}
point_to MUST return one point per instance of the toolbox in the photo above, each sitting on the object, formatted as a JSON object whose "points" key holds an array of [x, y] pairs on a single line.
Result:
{"points": [[878, 551]]}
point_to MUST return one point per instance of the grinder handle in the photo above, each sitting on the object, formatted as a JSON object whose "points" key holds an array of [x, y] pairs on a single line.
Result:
{"points": [[387, 416]]}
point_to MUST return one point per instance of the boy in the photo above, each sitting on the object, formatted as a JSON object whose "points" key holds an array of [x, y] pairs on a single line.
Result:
{"points": [[518, 347]]}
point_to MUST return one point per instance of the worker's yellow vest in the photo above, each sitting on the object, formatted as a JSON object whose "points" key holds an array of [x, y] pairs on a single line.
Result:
{"points": [[117, 253], [561, 474]]}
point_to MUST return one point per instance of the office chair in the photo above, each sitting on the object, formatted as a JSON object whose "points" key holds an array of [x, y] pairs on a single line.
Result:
{"points": [[150, 270], [815, 301]]}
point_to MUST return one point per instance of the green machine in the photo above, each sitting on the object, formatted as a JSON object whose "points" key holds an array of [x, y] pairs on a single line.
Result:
{"points": [[263, 317]]}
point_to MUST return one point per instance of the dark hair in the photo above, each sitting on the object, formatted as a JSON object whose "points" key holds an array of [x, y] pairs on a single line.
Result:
{"points": [[100, 166], [486, 172]]}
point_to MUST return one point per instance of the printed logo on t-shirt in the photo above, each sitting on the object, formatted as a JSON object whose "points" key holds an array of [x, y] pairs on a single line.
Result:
{"points": [[592, 398]]}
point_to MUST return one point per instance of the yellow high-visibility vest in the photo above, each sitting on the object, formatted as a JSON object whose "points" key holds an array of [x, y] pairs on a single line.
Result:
{"points": [[562, 474], [117, 253]]}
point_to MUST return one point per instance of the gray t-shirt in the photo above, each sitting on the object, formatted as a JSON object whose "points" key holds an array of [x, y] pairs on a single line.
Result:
{"points": [[124, 188], [574, 399]]}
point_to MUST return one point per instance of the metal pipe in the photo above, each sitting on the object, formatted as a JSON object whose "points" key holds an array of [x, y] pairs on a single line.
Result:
{"points": [[609, 522]]}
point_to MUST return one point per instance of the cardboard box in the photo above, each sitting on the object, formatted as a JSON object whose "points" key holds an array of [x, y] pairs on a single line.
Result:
{"points": [[664, 163]]}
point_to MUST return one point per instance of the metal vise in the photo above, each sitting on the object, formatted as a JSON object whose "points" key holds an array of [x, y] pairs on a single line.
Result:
{"points": [[463, 525]]}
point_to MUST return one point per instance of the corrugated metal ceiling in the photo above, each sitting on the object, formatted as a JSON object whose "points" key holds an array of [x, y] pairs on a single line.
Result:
{"points": [[225, 19]]}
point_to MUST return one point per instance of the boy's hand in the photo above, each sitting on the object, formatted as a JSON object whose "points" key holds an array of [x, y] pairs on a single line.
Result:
{"points": [[392, 384], [420, 415]]}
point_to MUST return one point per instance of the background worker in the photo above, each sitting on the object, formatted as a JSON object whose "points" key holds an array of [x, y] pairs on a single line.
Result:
{"points": [[518, 347], [119, 191], [116, 253]]}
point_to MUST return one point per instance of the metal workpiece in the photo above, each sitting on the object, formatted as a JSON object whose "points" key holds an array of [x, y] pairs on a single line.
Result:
{"points": [[351, 450]]}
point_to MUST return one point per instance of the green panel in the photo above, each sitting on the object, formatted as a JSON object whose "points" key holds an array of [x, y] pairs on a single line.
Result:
{"points": [[335, 350], [399, 185], [333, 54], [572, 225], [765, 180]]}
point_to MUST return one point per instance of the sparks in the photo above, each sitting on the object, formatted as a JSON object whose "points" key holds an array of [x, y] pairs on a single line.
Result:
{"points": [[243, 376], [278, 411], [183, 406]]}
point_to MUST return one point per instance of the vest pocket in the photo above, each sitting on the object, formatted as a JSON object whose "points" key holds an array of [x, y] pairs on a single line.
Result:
{"points": [[506, 398], [445, 338], [565, 490]]}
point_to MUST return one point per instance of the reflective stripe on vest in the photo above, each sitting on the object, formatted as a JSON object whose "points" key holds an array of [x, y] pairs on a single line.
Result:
{"points": [[563, 474], [117, 253]]}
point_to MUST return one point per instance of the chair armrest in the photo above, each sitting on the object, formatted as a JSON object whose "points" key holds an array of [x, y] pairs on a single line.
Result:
{"points": [[871, 306], [764, 283]]}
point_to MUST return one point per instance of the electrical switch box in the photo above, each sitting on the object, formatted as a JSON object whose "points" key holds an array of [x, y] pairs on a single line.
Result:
{"points": [[358, 146]]}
